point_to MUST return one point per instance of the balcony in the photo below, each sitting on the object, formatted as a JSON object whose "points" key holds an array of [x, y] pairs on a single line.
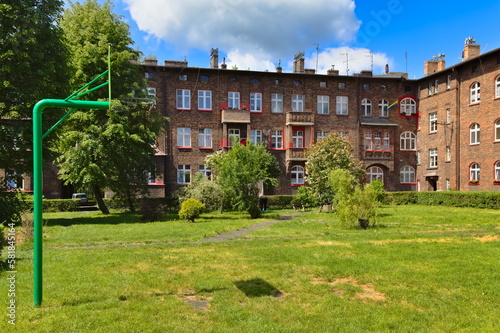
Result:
{"points": [[296, 154], [377, 155], [295, 118], [241, 116]]}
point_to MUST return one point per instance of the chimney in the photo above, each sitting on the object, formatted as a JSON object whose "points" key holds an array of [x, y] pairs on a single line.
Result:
{"points": [[298, 63], [430, 67], [224, 65], [333, 72], [151, 62], [366, 73], [471, 49], [279, 69], [441, 64], [214, 61]]}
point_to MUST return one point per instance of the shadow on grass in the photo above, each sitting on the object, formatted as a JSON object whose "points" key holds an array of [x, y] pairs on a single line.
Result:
{"points": [[104, 219], [257, 288]]}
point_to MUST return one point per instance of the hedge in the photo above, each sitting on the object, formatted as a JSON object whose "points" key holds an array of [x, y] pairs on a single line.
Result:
{"points": [[60, 205], [478, 199], [280, 201]]}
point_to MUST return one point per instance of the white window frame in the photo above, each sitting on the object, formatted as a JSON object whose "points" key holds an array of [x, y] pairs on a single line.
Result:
{"points": [[277, 139], [475, 93], [497, 130], [205, 100], [183, 99], [276, 103], [368, 141], [377, 141], [297, 175], [375, 173], [448, 82], [475, 134], [298, 138], [205, 171], [233, 100], [321, 135], [433, 158], [233, 132], [205, 138], [256, 136], [448, 115], [183, 174], [183, 137], [407, 175], [436, 85], [408, 106], [497, 170], [386, 142], [497, 87], [255, 102], [475, 172], [342, 105], [448, 154], [297, 103], [383, 106], [433, 123], [323, 104], [408, 141], [366, 107]]}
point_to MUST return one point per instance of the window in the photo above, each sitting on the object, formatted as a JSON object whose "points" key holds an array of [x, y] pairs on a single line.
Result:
{"points": [[298, 138], [448, 154], [298, 103], [448, 184], [376, 141], [255, 80], [433, 122], [183, 77], [297, 82], [343, 134], [204, 100], [475, 172], [448, 116], [205, 171], [383, 106], [277, 103], [497, 87], [14, 181], [183, 137], [407, 175], [233, 99], [277, 140], [408, 106], [183, 99], [429, 90], [475, 134], [322, 84], [148, 75], [341, 105], [497, 130], [436, 85], [150, 176], [475, 93], [342, 85], [433, 155], [297, 175], [205, 138], [183, 174], [366, 107], [204, 78], [383, 87], [255, 102], [151, 92], [256, 136], [375, 173], [321, 135], [419, 157], [233, 134], [368, 141], [323, 104], [366, 86], [448, 82], [408, 141], [386, 142], [497, 170]]}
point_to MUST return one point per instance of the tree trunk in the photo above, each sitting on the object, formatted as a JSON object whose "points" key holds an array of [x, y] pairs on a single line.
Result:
{"points": [[100, 202]]}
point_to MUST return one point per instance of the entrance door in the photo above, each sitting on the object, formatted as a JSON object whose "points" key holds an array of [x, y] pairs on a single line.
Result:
{"points": [[233, 133]]}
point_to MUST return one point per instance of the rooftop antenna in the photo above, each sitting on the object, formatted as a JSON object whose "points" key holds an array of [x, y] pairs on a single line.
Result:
{"points": [[317, 55], [347, 62], [470, 40], [370, 54]]}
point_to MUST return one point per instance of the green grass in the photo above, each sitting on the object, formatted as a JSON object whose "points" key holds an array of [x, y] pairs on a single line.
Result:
{"points": [[423, 269]]}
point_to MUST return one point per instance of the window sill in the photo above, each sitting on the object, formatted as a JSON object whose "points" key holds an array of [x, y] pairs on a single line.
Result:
{"points": [[205, 148], [295, 185], [475, 103], [473, 183], [199, 110], [183, 109]]}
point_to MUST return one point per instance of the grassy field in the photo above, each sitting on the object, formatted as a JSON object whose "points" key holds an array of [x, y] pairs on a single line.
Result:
{"points": [[423, 269]]}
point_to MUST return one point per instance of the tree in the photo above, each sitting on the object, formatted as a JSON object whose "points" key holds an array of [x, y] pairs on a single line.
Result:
{"points": [[203, 189], [112, 149], [330, 153], [238, 172]]}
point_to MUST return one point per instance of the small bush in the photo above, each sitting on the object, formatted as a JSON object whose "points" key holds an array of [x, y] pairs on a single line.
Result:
{"points": [[191, 209], [280, 201], [304, 198]]}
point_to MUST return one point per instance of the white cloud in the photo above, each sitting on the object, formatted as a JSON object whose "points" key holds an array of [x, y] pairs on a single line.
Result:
{"points": [[279, 27]]}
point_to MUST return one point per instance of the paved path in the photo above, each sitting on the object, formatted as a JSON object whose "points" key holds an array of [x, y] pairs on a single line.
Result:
{"points": [[242, 232]]}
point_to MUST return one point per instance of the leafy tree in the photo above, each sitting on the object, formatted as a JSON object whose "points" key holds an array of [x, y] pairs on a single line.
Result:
{"points": [[330, 153], [33, 66], [204, 190], [238, 172], [100, 149]]}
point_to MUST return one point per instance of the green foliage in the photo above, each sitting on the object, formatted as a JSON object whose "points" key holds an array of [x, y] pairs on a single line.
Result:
{"points": [[152, 209], [12, 205], [204, 190], [61, 205], [280, 201], [238, 172], [353, 202], [305, 197], [378, 188], [478, 199], [191, 209], [330, 153]]}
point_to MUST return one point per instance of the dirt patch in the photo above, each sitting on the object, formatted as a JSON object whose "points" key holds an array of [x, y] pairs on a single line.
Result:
{"points": [[488, 238], [199, 303], [418, 240], [367, 293]]}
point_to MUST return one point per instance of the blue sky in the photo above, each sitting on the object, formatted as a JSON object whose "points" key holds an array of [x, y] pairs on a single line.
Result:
{"points": [[257, 34]]}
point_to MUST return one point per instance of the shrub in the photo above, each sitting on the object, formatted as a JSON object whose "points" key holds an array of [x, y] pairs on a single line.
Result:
{"points": [[152, 209], [280, 201], [481, 199], [12, 205], [305, 198], [61, 205], [191, 209], [204, 190]]}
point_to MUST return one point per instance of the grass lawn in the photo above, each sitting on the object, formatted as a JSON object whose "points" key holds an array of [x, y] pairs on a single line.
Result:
{"points": [[423, 269]]}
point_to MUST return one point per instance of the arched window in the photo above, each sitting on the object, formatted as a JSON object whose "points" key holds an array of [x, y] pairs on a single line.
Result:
{"points": [[408, 106], [383, 106], [475, 93], [366, 107], [407, 175], [475, 171], [375, 173], [497, 171], [408, 141], [475, 134], [497, 87], [297, 175]]}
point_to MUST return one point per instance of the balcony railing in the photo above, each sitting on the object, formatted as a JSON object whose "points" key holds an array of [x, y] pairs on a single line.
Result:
{"points": [[295, 154], [241, 115], [300, 118], [377, 155]]}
